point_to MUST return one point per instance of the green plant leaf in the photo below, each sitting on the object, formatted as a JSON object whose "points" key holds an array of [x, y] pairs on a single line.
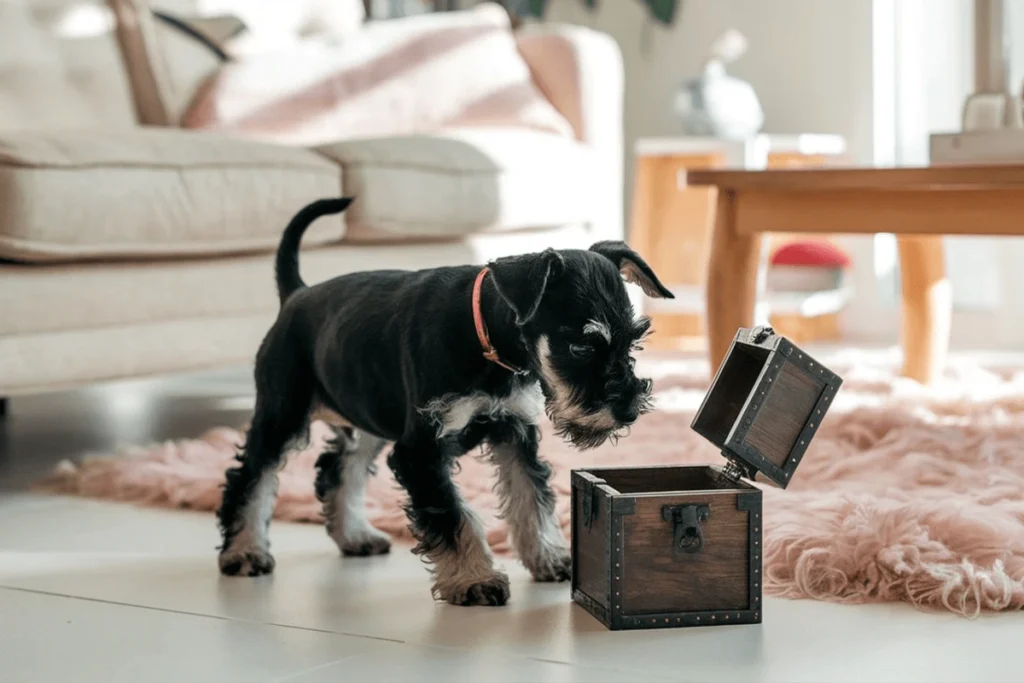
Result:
{"points": [[663, 10], [536, 7]]}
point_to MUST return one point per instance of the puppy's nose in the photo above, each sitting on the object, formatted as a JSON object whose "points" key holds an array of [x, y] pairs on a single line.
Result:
{"points": [[629, 414]]}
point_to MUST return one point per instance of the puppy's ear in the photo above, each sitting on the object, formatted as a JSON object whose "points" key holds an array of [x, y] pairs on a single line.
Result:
{"points": [[522, 280], [633, 268]]}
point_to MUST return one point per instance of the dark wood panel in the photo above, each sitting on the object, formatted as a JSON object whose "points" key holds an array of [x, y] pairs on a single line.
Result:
{"points": [[590, 564], [730, 391], [657, 581], [787, 408]]}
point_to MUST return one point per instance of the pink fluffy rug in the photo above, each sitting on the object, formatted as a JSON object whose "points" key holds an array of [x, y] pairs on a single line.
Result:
{"points": [[906, 494]]}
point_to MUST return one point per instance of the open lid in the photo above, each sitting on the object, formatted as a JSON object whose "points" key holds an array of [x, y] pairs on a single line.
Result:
{"points": [[765, 404]]}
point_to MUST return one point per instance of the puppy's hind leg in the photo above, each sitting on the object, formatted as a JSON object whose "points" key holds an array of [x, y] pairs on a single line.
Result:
{"points": [[283, 396], [342, 471]]}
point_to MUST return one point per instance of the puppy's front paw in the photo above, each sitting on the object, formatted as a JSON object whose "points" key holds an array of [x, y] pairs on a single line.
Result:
{"points": [[492, 591], [369, 542], [247, 562], [552, 565]]}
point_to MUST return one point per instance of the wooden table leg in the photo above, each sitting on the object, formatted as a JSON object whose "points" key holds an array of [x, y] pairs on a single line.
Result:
{"points": [[732, 280], [927, 307]]}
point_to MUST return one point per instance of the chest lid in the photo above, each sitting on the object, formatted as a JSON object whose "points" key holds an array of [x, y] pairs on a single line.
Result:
{"points": [[765, 405]]}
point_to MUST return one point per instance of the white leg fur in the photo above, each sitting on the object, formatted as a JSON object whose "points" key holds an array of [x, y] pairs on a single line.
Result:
{"points": [[346, 520], [250, 545], [532, 522]]}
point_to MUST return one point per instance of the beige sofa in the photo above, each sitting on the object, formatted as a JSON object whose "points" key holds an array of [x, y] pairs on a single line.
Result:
{"points": [[129, 250]]}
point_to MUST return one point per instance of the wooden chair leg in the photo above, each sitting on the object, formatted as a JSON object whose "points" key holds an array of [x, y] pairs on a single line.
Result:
{"points": [[732, 280], [926, 307]]}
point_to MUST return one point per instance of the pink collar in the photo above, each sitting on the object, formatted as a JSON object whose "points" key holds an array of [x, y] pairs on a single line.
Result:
{"points": [[490, 353]]}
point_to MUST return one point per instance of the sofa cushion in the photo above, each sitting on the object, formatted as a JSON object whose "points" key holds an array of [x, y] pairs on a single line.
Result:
{"points": [[136, 318], [462, 181], [153, 193]]}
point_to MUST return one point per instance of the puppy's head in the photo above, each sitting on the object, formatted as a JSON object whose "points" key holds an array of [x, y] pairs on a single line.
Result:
{"points": [[573, 312]]}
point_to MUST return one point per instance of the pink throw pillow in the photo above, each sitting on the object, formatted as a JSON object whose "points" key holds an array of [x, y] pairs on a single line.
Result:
{"points": [[409, 76]]}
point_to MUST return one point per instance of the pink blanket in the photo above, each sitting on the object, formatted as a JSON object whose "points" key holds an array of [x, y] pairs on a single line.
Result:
{"points": [[906, 494]]}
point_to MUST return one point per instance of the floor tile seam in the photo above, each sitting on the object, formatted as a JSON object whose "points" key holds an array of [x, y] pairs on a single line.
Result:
{"points": [[166, 610]]}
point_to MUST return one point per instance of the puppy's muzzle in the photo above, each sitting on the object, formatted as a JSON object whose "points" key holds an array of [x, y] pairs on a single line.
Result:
{"points": [[635, 403]]}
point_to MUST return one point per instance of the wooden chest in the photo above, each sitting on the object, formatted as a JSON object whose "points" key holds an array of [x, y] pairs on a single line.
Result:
{"points": [[658, 547]]}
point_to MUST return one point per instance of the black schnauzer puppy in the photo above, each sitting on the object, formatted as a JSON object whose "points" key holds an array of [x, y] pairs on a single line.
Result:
{"points": [[439, 362]]}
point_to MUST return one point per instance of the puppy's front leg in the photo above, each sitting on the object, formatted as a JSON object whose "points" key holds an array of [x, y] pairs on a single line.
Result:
{"points": [[528, 505], [450, 534]]}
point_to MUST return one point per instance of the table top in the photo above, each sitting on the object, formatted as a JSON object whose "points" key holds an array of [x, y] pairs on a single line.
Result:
{"points": [[804, 143], [815, 179]]}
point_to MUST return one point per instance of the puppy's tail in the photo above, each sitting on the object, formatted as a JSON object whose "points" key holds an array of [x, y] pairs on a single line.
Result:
{"points": [[287, 264]]}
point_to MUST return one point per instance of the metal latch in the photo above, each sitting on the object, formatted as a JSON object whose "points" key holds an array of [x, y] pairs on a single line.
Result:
{"points": [[687, 537]]}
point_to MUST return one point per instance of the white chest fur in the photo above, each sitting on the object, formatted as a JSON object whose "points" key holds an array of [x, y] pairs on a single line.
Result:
{"points": [[452, 414]]}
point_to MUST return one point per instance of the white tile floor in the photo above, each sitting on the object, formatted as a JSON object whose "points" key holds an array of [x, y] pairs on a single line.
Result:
{"points": [[107, 593], [100, 592]]}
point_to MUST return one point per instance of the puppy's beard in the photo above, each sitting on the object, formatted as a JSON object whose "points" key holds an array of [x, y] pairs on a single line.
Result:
{"points": [[572, 422], [584, 437]]}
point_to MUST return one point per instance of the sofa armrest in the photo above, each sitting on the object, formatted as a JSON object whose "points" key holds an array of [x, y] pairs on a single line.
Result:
{"points": [[580, 71]]}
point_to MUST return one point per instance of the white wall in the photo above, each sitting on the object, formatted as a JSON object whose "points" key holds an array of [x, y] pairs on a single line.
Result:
{"points": [[811, 62]]}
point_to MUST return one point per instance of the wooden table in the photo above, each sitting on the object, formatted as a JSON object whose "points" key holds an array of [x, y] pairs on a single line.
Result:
{"points": [[671, 223], [917, 204]]}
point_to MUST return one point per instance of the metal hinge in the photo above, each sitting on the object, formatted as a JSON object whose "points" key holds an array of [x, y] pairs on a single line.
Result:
{"points": [[732, 471], [735, 470]]}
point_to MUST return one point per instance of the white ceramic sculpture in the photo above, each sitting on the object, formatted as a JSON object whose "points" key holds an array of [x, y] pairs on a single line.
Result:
{"points": [[716, 103]]}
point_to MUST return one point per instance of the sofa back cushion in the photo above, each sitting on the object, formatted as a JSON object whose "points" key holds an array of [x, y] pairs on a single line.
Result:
{"points": [[416, 75], [60, 66]]}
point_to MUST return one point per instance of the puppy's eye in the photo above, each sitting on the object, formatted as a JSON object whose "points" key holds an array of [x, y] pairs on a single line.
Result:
{"points": [[581, 350]]}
